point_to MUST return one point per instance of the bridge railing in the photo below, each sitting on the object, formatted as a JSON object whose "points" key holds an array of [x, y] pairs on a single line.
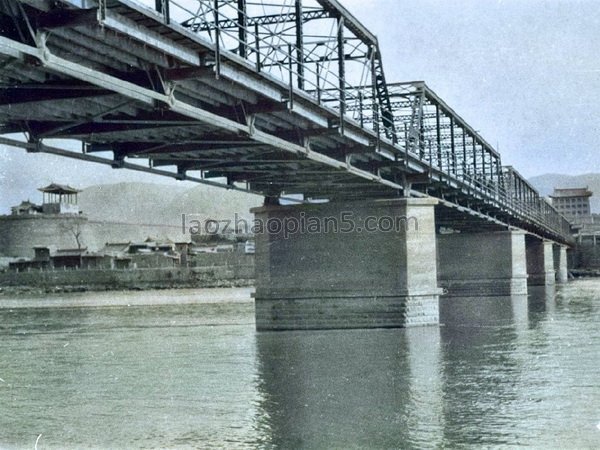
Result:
{"points": [[527, 202], [427, 128]]}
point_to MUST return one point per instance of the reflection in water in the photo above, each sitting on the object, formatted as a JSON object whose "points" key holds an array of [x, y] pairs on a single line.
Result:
{"points": [[518, 371], [515, 372], [542, 300], [353, 388], [478, 364], [425, 419]]}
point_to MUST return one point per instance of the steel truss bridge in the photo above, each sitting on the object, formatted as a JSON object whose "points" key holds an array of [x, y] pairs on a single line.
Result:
{"points": [[275, 98]]}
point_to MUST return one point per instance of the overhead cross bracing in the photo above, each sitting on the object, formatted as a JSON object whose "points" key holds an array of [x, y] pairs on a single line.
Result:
{"points": [[276, 98]]}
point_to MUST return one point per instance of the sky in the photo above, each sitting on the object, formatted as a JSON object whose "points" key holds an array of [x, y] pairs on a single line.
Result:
{"points": [[524, 73]]}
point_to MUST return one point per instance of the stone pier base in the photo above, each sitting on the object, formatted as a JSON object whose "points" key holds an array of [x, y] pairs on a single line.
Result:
{"points": [[540, 261], [346, 265], [560, 263], [345, 311], [482, 263]]}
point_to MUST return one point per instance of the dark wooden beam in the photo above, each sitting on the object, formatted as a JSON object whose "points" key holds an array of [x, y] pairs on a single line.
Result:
{"points": [[210, 142], [86, 129], [63, 18], [51, 91]]}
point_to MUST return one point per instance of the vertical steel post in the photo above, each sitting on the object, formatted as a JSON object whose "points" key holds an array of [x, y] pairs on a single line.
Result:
{"points": [[360, 109], [438, 135], [374, 92], [421, 132], [483, 162], [430, 153], [217, 40], [519, 192], [299, 44], [452, 147], [406, 144], [291, 78], [164, 10], [318, 69], [474, 158], [257, 47], [341, 71], [242, 29], [464, 146], [499, 172]]}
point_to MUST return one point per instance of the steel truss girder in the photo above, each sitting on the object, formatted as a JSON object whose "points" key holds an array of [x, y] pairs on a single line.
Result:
{"points": [[297, 55], [508, 192], [148, 97]]}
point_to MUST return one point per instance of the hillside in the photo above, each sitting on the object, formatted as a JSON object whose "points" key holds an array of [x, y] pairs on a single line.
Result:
{"points": [[129, 202], [547, 182], [152, 203], [148, 203]]}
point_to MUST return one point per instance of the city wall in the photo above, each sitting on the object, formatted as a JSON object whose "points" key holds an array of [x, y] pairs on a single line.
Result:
{"points": [[241, 273], [19, 234]]}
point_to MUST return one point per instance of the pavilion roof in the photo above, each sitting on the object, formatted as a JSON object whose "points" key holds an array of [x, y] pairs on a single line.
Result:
{"points": [[571, 192], [55, 188]]}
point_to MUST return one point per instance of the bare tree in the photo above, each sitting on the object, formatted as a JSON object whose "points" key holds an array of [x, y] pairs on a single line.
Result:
{"points": [[75, 229]]}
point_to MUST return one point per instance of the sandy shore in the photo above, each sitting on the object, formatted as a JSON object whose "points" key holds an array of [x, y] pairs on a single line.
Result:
{"points": [[129, 298]]}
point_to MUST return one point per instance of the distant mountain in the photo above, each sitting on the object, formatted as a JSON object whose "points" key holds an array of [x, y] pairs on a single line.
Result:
{"points": [[129, 202], [546, 183], [148, 203], [215, 203]]}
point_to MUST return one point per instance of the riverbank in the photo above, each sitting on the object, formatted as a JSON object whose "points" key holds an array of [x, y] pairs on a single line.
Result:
{"points": [[129, 298], [19, 291], [585, 273], [38, 282]]}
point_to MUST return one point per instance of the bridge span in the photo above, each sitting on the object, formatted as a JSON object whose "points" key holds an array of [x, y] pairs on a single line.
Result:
{"points": [[285, 98]]}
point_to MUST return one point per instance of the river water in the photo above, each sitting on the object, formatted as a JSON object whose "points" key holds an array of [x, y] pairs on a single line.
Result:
{"points": [[500, 372]]}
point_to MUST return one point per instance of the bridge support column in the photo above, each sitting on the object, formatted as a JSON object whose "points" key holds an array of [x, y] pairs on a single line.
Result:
{"points": [[560, 263], [346, 265], [482, 263], [540, 261]]}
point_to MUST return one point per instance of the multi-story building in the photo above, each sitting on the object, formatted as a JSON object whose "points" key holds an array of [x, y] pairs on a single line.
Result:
{"points": [[573, 203]]}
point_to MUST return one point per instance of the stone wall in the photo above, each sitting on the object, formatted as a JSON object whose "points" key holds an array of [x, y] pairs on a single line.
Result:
{"points": [[19, 234], [586, 255], [132, 279], [220, 259]]}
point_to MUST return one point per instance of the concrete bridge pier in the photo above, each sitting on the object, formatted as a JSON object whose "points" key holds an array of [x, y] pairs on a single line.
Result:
{"points": [[367, 264], [560, 263], [487, 263], [540, 261]]}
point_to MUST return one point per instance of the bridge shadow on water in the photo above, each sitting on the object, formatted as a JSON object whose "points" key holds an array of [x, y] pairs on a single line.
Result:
{"points": [[396, 388]]}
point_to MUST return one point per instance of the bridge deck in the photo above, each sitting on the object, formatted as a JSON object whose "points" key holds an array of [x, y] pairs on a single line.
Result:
{"points": [[269, 115]]}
